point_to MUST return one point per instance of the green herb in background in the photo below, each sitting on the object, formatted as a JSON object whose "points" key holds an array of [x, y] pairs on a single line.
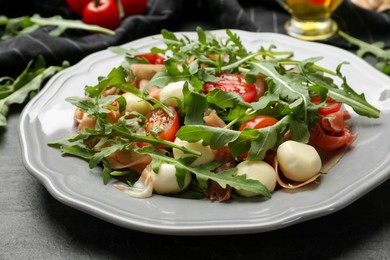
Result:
{"points": [[26, 25], [25, 86], [376, 49]]}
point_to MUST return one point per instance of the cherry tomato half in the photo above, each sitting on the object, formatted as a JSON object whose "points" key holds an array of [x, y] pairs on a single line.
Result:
{"points": [[105, 14], [258, 122], [159, 118], [134, 7], [152, 58], [233, 83], [329, 107]]}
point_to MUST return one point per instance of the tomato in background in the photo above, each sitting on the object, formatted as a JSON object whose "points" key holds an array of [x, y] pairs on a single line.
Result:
{"points": [[159, 118], [105, 14], [233, 83], [258, 122], [134, 7], [77, 6], [152, 58]]}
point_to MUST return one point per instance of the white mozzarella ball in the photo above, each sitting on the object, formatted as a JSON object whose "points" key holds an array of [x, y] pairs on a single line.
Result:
{"points": [[257, 170], [207, 154], [135, 103], [298, 161], [165, 181], [173, 91]]}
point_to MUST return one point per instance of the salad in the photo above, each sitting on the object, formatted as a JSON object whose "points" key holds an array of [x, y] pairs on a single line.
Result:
{"points": [[207, 116]]}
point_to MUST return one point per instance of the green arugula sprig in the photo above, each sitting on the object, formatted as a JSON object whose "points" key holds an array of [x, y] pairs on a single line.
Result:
{"points": [[27, 24], [296, 85], [376, 49], [206, 56], [25, 86]]}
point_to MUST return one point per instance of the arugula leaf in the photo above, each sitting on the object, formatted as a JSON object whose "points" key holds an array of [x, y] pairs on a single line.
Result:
{"points": [[104, 152], [33, 68], [106, 171], [284, 87], [224, 99], [79, 150], [345, 94], [213, 136], [26, 25], [116, 77], [233, 37], [28, 83], [294, 87], [376, 49], [194, 106], [6, 86], [163, 78], [265, 141]]}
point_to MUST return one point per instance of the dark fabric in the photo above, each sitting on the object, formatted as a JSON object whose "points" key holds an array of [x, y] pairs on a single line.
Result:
{"points": [[261, 16], [17, 51], [269, 16]]}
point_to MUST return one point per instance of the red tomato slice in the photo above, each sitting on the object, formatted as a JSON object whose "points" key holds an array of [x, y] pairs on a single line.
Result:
{"points": [[233, 83], [105, 14], [258, 122], [159, 118], [152, 58], [329, 107]]}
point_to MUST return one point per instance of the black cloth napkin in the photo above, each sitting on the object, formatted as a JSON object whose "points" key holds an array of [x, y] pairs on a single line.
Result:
{"points": [[73, 46], [260, 16]]}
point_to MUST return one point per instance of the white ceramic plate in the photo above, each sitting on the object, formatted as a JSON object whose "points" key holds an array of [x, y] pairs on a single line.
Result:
{"points": [[48, 117]]}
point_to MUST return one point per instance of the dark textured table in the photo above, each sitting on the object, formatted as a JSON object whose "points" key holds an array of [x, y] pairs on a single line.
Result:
{"points": [[33, 225]]}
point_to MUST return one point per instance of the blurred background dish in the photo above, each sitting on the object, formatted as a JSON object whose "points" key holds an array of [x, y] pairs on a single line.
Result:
{"points": [[374, 5]]}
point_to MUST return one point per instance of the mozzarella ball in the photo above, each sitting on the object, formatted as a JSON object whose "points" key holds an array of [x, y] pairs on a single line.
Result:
{"points": [[165, 181], [207, 154], [298, 161], [257, 170], [173, 91], [135, 103]]}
